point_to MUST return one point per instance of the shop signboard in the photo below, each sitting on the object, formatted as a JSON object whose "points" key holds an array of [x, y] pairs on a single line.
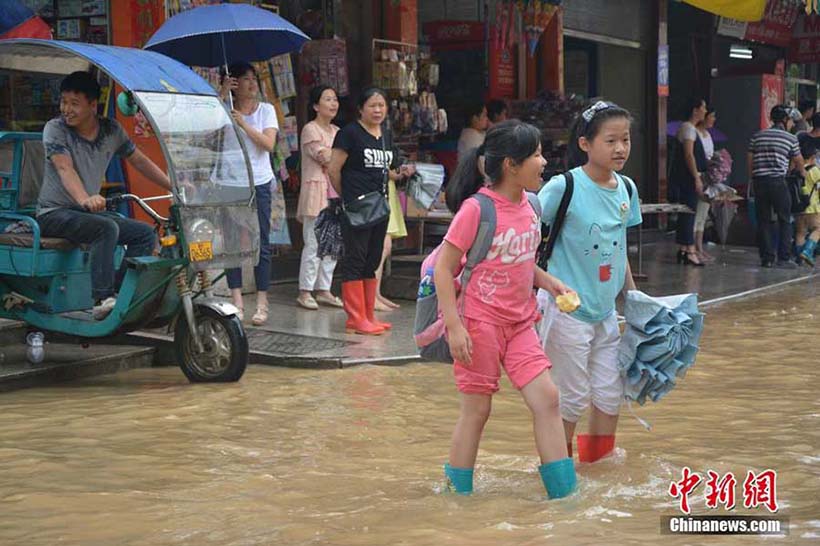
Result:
{"points": [[147, 16], [805, 45], [502, 73], [775, 28], [663, 70], [454, 35]]}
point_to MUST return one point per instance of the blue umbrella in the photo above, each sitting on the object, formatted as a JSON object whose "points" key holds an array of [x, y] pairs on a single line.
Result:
{"points": [[221, 34], [659, 344]]}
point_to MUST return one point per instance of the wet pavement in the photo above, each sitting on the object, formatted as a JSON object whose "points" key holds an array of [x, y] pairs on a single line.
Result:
{"points": [[353, 456], [736, 271]]}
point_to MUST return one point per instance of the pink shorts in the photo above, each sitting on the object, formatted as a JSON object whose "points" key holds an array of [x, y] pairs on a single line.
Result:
{"points": [[516, 348]]}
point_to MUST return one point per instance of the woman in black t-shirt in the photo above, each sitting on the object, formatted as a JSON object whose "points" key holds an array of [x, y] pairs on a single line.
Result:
{"points": [[362, 159]]}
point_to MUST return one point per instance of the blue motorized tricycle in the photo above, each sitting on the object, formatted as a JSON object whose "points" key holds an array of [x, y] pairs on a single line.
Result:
{"points": [[212, 224]]}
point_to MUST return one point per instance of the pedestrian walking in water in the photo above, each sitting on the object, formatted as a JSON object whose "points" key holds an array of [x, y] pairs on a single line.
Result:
{"points": [[495, 328], [590, 254]]}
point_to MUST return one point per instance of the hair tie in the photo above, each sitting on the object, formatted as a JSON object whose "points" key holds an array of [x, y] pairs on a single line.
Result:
{"points": [[590, 112], [480, 150]]}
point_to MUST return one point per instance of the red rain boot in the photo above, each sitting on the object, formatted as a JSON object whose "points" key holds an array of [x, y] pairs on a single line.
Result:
{"points": [[593, 447], [353, 300], [371, 286]]}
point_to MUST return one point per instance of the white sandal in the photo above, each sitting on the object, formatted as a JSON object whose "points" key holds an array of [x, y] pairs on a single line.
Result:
{"points": [[331, 300], [307, 302], [261, 316]]}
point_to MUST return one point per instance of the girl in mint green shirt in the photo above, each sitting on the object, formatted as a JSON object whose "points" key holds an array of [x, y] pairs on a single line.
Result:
{"points": [[590, 256]]}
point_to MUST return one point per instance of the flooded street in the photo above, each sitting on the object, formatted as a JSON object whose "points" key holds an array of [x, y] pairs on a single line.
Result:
{"points": [[354, 456]]}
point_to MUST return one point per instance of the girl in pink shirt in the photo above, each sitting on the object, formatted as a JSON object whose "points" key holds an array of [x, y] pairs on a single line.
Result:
{"points": [[497, 326]]}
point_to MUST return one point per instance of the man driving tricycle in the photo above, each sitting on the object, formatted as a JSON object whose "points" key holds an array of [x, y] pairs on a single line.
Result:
{"points": [[61, 258], [78, 148]]}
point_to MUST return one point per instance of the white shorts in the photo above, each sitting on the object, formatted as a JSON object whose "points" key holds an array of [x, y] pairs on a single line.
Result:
{"points": [[584, 360]]}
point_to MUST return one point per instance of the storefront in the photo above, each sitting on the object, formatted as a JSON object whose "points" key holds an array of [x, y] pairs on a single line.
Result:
{"points": [[603, 57]]}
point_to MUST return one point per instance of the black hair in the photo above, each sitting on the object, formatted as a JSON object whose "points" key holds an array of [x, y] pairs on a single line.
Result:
{"points": [[815, 120], [369, 93], [240, 68], [809, 147], [805, 106], [779, 114], [81, 82], [690, 105], [473, 110], [495, 108], [315, 96], [589, 130], [511, 139]]}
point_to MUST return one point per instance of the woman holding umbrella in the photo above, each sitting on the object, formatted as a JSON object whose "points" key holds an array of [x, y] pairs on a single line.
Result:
{"points": [[258, 124], [360, 166]]}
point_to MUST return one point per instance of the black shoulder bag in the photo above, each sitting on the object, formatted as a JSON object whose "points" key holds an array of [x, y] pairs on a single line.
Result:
{"points": [[371, 208]]}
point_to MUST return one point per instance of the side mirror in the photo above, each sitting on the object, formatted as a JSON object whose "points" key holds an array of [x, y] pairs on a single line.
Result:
{"points": [[126, 104]]}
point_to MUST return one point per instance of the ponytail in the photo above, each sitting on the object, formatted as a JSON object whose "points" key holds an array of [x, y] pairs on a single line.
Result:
{"points": [[466, 180]]}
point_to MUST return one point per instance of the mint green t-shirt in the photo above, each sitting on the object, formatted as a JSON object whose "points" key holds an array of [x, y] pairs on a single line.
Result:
{"points": [[590, 253]]}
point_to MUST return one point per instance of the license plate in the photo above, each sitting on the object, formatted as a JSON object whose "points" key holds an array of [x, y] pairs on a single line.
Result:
{"points": [[201, 251]]}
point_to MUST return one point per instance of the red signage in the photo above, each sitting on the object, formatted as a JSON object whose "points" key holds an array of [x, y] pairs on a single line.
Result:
{"points": [[455, 34], [771, 94], [776, 26], [147, 16], [805, 45], [502, 73]]}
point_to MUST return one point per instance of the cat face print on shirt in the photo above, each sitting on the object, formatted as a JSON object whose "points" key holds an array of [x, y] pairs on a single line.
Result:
{"points": [[602, 247]]}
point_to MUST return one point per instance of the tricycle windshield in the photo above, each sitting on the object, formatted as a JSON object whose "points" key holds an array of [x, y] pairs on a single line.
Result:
{"points": [[208, 163], [209, 167]]}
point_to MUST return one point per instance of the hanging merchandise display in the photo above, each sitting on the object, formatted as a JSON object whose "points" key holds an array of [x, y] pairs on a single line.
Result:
{"points": [[324, 62], [537, 16]]}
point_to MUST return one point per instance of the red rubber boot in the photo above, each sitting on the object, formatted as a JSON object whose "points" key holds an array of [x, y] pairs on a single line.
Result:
{"points": [[353, 300], [593, 447], [371, 286]]}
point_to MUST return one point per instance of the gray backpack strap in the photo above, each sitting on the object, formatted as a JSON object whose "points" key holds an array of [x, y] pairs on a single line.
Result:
{"points": [[534, 203], [483, 238]]}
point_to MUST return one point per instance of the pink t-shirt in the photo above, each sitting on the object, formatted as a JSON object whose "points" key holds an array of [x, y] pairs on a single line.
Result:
{"points": [[501, 288]]}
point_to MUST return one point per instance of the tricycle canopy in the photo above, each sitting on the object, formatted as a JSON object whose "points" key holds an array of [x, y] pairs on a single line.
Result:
{"points": [[206, 159], [133, 69]]}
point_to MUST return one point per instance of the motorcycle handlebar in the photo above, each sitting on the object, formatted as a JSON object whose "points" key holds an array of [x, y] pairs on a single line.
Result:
{"points": [[143, 204]]}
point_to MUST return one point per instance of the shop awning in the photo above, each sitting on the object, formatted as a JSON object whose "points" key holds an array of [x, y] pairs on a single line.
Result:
{"points": [[742, 10], [134, 69]]}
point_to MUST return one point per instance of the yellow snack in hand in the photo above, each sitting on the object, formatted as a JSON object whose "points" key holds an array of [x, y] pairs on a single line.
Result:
{"points": [[568, 303]]}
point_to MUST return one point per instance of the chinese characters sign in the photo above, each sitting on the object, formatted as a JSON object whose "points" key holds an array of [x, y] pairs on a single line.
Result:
{"points": [[775, 28], [805, 46], [759, 490]]}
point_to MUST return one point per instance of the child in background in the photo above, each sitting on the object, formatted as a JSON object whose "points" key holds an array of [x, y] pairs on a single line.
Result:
{"points": [[499, 310], [590, 254], [808, 222]]}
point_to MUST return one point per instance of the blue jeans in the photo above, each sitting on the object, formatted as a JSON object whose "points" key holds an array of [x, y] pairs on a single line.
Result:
{"points": [[262, 270], [102, 232]]}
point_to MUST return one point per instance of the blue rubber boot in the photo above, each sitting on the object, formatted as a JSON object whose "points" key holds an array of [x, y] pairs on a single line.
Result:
{"points": [[558, 477], [459, 479], [807, 255]]}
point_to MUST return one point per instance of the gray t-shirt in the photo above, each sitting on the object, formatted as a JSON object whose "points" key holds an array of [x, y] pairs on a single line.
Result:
{"points": [[90, 159]]}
